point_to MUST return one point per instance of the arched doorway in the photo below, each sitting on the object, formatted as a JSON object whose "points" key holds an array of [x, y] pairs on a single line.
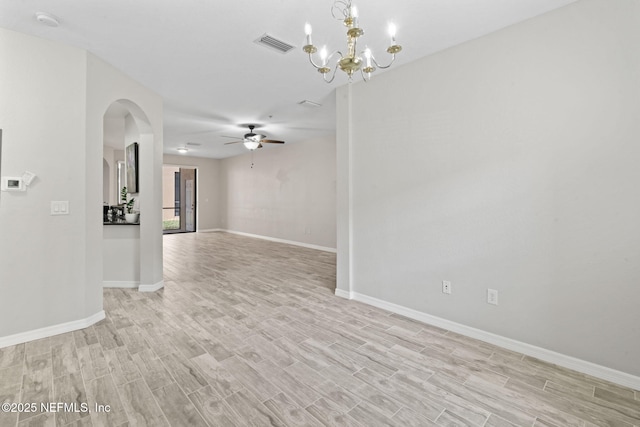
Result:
{"points": [[130, 251]]}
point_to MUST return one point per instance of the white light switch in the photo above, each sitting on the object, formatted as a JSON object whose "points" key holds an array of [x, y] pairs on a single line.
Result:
{"points": [[60, 207]]}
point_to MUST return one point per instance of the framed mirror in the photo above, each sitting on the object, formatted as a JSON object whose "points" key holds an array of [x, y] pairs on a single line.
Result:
{"points": [[121, 179], [131, 161]]}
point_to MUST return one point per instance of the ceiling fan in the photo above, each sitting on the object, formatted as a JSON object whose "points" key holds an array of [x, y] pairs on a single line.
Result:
{"points": [[252, 140]]}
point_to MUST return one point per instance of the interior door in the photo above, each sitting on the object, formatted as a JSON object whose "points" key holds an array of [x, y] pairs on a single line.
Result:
{"points": [[179, 199], [187, 200], [171, 220], [190, 203]]}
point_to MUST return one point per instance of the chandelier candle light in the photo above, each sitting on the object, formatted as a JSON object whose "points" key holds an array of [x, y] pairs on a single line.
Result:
{"points": [[344, 11]]}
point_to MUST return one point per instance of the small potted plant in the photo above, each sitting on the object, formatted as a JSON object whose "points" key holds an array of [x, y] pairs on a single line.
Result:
{"points": [[130, 217]]}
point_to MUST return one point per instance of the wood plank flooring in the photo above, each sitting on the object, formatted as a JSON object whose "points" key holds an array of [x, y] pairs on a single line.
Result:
{"points": [[248, 332]]}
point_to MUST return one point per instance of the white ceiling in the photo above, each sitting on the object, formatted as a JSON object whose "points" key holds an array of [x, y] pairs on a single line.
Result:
{"points": [[201, 56]]}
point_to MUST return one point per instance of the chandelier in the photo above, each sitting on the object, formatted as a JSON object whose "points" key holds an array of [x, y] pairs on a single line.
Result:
{"points": [[350, 63]]}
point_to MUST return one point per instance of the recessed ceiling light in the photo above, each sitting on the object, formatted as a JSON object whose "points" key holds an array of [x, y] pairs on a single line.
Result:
{"points": [[47, 19], [182, 150]]}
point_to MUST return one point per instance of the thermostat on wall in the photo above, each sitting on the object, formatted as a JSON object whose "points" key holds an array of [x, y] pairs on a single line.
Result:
{"points": [[12, 183], [28, 177]]}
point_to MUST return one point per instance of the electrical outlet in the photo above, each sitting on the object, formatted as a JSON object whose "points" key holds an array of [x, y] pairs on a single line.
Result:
{"points": [[492, 296], [446, 287]]}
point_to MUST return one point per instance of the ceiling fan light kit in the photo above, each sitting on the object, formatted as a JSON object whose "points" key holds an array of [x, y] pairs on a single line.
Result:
{"points": [[352, 62], [250, 144]]}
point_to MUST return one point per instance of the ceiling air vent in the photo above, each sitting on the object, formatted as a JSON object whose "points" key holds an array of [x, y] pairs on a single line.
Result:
{"points": [[308, 103], [273, 43]]}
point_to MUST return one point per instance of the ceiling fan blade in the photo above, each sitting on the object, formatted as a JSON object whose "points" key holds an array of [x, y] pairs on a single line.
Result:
{"points": [[225, 136], [272, 141], [232, 142]]}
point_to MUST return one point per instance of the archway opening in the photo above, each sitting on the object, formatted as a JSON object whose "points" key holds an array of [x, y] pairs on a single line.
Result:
{"points": [[127, 246]]}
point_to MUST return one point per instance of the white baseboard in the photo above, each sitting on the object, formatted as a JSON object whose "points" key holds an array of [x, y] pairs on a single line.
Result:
{"points": [[117, 284], [50, 331], [589, 368], [289, 242], [151, 288], [343, 294], [209, 230]]}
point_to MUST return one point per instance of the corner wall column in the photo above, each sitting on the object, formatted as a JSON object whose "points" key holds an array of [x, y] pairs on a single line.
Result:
{"points": [[344, 206]]}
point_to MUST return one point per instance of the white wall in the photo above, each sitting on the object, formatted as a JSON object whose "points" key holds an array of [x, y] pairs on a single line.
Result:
{"points": [[208, 188], [52, 101], [509, 162], [121, 256], [289, 194], [42, 114]]}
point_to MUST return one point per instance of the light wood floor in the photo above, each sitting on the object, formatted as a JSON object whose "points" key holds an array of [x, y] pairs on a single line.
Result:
{"points": [[248, 333]]}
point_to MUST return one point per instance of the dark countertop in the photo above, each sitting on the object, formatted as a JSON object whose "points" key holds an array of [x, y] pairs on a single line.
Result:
{"points": [[120, 223]]}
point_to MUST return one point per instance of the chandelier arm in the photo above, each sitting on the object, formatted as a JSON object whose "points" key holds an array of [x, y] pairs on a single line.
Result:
{"points": [[335, 52], [312, 62], [333, 75], [365, 76], [342, 6], [393, 58]]}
